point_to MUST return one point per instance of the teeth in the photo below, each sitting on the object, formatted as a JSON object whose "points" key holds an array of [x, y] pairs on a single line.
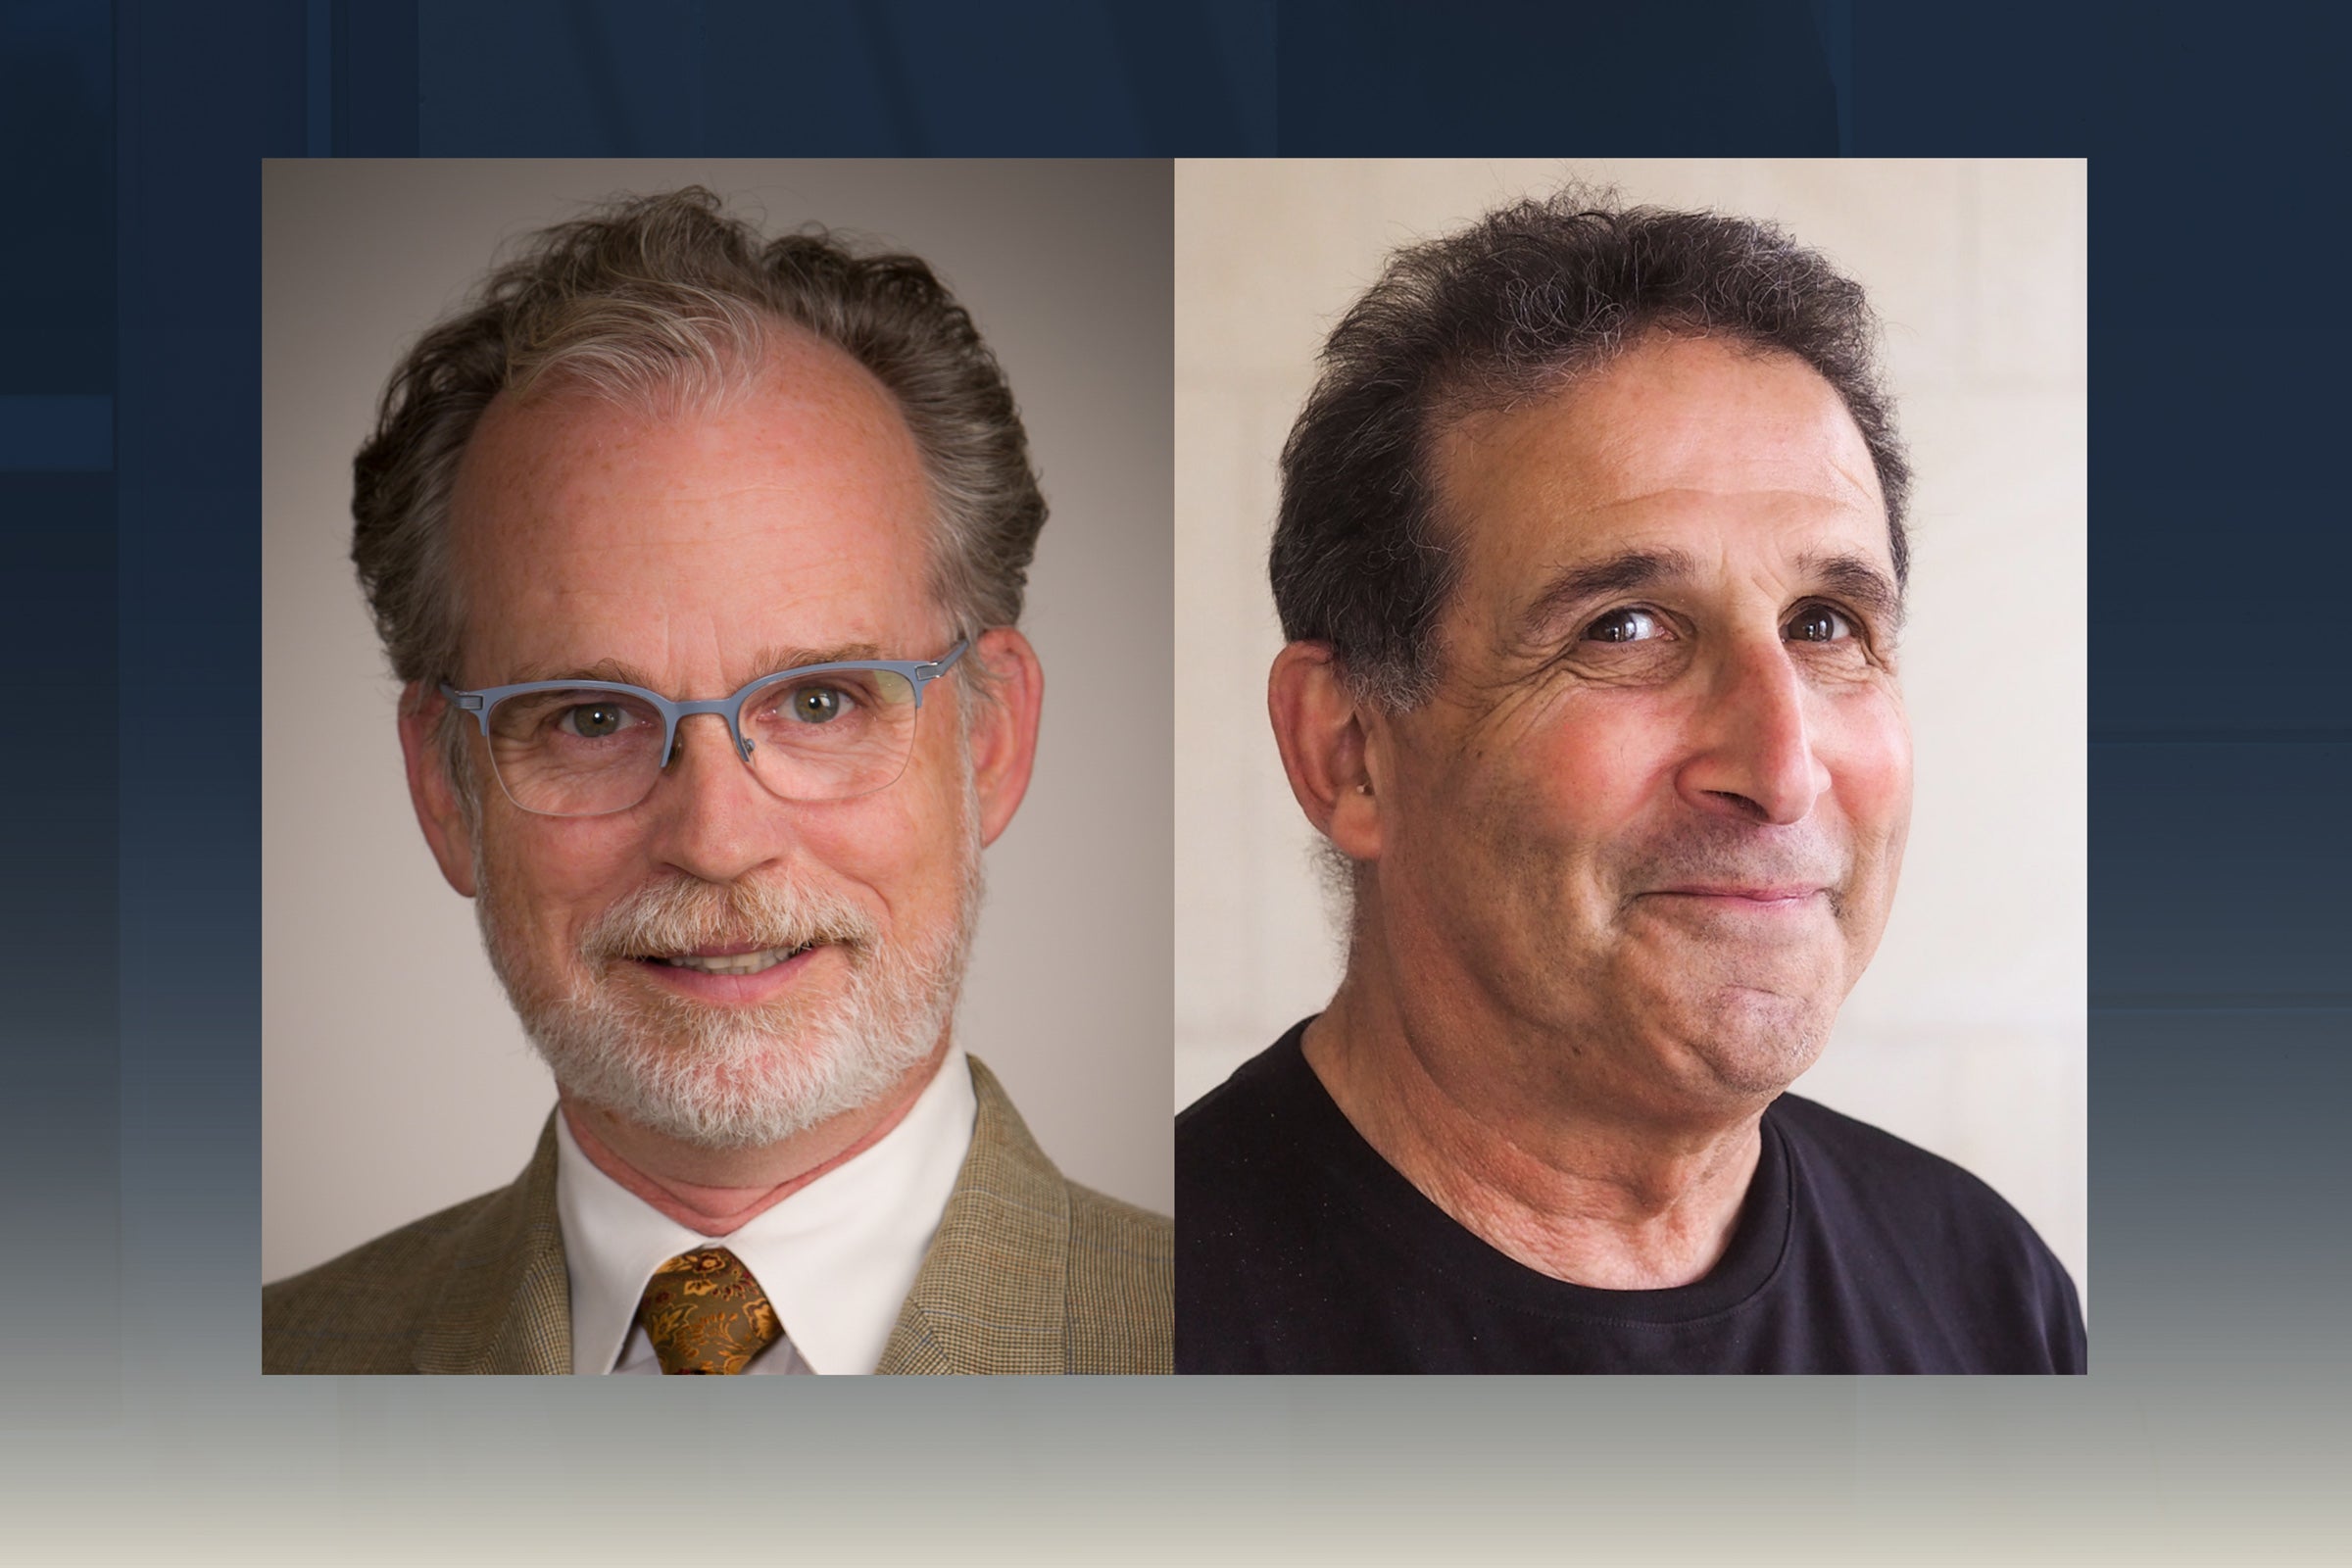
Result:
{"points": [[738, 964]]}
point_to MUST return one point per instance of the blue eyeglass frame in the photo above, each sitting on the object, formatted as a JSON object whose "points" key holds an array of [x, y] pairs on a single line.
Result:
{"points": [[916, 673]]}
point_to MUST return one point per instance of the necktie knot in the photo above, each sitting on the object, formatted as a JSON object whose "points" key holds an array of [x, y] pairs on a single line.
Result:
{"points": [[705, 1313]]}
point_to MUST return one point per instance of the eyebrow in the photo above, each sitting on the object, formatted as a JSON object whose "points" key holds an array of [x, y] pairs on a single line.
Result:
{"points": [[772, 660], [1858, 580], [776, 657], [1853, 577], [1624, 572]]}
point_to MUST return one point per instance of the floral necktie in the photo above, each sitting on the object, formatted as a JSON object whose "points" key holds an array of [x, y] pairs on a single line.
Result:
{"points": [[705, 1313]]}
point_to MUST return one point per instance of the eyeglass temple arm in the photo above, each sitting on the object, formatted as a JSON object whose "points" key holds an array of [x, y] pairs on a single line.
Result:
{"points": [[930, 672], [465, 703]]}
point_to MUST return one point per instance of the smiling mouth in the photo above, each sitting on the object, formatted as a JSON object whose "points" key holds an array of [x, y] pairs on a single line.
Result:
{"points": [[728, 963], [1746, 895], [1744, 903]]}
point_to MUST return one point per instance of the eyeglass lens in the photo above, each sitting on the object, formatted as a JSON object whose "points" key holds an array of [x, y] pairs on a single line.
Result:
{"points": [[823, 737]]}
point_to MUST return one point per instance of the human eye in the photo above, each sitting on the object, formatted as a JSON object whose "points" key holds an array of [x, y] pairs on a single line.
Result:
{"points": [[568, 717], [1818, 623], [838, 698], [1629, 624], [594, 718], [817, 702], [831, 708]]}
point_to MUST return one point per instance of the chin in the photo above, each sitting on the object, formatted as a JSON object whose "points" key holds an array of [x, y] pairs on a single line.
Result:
{"points": [[1755, 1043], [720, 1080], [718, 1077], [715, 1075]]}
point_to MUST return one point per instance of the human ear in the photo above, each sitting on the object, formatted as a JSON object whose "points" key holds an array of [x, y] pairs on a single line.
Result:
{"points": [[431, 791], [1003, 726], [1326, 747]]}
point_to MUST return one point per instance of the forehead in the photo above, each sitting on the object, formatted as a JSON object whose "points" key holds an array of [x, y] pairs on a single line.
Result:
{"points": [[792, 509], [1695, 444]]}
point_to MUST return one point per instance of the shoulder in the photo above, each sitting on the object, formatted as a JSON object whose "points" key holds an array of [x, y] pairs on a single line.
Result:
{"points": [[1854, 1156], [1939, 1227], [1120, 1289], [1256, 1094], [1252, 1117], [1112, 1225], [1018, 1229], [365, 1310], [479, 1287], [1283, 1223], [1247, 1149]]}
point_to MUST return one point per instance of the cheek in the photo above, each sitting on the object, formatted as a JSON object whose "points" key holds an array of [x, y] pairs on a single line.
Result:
{"points": [[1869, 757], [558, 875], [1609, 768], [1538, 800], [873, 848], [898, 849], [1581, 779]]}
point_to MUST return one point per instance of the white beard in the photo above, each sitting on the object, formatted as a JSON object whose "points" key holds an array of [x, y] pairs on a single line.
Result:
{"points": [[739, 1077]]}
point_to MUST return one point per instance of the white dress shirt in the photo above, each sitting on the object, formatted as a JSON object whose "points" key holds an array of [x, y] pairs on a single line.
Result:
{"points": [[836, 1258]]}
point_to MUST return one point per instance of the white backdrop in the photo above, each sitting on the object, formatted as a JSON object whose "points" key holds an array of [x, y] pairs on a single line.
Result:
{"points": [[395, 1077], [1968, 1035]]}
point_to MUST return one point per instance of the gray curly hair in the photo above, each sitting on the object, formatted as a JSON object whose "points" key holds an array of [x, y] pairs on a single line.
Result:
{"points": [[667, 299]]}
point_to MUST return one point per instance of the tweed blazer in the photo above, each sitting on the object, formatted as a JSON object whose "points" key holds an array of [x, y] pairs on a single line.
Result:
{"points": [[1028, 1273]]}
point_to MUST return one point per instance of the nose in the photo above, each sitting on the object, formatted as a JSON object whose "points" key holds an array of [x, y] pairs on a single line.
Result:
{"points": [[710, 819], [1755, 757]]}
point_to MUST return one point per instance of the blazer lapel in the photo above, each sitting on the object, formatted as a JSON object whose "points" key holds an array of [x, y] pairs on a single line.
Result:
{"points": [[989, 1298], [503, 1304], [990, 1292]]}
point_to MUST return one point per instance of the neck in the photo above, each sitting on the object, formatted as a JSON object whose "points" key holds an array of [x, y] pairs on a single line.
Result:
{"points": [[1580, 1181], [715, 1192]]}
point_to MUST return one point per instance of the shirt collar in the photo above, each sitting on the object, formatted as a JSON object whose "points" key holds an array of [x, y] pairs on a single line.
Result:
{"points": [[836, 1258]]}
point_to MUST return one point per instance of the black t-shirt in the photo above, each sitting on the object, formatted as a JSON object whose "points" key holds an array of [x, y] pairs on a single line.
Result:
{"points": [[1299, 1249]]}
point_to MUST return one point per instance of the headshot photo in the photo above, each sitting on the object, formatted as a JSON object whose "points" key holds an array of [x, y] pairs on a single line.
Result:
{"points": [[716, 752], [1631, 707]]}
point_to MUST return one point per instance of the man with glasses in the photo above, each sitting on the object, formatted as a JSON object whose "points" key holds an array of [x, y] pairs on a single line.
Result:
{"points": [[1592, 562], [700, 558]]}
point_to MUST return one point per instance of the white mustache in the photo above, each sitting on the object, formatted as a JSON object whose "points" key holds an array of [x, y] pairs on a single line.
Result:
{"points": [[683, 915]]}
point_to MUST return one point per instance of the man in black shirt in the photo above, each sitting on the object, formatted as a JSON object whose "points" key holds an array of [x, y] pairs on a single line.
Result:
{"points": [[1591, 561], [1301, 1250]]}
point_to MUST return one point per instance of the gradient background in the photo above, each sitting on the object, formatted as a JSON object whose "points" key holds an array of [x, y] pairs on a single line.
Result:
{"points": [[395, 1077], [2219, 1422], [1967, 1036]]}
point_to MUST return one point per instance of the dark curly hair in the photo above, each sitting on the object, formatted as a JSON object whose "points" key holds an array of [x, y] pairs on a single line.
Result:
{"points": [[1525, 299]]}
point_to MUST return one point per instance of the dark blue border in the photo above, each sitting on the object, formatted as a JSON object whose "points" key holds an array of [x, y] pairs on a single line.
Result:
{"points": [[2222, 724]]}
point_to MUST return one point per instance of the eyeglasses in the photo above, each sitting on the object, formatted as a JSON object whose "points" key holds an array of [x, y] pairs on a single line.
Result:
{"points": [[820, 732]]}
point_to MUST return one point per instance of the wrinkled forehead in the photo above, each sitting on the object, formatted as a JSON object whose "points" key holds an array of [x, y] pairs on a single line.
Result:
{"points": [[796, 498], [808, 426], [1702, 433]]}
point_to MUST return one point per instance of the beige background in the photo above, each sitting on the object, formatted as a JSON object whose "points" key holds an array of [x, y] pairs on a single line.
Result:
{"points": [[1968, 1033], [395, 1078]]}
